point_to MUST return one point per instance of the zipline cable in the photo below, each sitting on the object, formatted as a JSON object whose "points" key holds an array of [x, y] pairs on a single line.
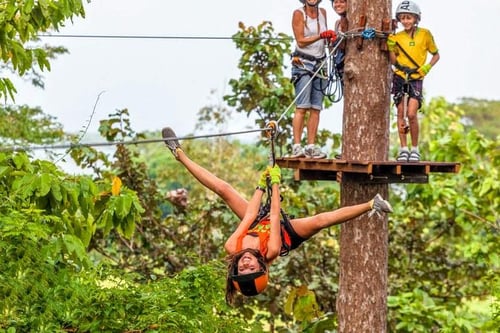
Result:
{"points": [[115, 143], [160, 37], [368, 33]]}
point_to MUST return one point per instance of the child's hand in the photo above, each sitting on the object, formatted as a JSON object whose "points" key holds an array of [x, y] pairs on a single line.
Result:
{"points": [[391, 43], [275, 173], [424, 70]]}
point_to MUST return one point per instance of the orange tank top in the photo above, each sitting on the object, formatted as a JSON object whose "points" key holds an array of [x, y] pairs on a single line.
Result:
{"points": [[261, 230]]}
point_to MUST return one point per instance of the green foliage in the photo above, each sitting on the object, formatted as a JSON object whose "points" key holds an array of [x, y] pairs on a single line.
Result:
{"points": [[20, 23], [262, 90], [442, 242], [48, 297], [481, 115], [33, 126], [417, 311], [443, 236], [302, 305], [71, 206]]}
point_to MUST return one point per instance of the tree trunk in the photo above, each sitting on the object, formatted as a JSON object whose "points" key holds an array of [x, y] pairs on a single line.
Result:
{"points": [[362, 300]]}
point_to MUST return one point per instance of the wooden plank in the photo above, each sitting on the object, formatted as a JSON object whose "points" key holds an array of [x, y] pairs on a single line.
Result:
{"points": [[365, 171]]}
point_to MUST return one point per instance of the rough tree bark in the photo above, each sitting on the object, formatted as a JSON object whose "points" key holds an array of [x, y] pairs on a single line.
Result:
{"points": [[362, 299]]}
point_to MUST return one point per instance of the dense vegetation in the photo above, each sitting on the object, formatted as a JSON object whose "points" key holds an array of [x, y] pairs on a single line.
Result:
{"points": [[86, 253], [106, 252]]}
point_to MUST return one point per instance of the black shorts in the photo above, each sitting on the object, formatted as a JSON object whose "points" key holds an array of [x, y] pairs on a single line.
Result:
{"points": [[289, 238], [414, 89]]}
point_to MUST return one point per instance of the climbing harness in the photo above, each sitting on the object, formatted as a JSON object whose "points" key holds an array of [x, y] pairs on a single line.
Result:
{"points": [[324, 68], [265, 209], [406, 97], [333, 89], [405, 93]]}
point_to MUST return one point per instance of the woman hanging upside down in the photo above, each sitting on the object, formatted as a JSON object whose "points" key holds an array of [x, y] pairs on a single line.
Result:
{"points": [[256, 243]]}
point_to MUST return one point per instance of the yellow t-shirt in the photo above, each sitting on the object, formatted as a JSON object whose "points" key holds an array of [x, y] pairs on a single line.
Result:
{"points": [[416, 47]]}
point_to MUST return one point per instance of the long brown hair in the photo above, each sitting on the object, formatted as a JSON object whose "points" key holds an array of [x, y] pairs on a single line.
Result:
{"points": [[232, 269]]}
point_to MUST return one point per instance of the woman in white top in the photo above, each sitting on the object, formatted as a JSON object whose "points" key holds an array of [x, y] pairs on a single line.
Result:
{"points": [[311, 34]]}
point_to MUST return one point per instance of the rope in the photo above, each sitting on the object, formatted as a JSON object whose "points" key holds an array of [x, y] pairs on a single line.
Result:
{"points": [[368, 33], [114, 143], [320, 67]]}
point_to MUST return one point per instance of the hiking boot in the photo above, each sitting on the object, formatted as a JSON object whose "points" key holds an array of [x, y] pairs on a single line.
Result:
{"points": [[403, 156], [297, 151], [171, 140], [414, 156], [313, 151], [379, 205]]}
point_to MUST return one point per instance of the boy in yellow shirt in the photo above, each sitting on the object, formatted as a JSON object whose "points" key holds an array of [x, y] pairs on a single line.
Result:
{"points": [[408, 54]]}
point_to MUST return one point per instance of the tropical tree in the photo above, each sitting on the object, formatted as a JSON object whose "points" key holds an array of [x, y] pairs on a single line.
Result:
{"points": [[20, 23]]}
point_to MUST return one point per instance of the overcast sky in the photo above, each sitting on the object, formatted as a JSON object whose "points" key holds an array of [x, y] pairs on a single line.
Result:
{"points": [[166, 81]]}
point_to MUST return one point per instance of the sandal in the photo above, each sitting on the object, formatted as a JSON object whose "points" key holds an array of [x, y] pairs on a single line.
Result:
{"points": [[403, 156], [414, 157]]}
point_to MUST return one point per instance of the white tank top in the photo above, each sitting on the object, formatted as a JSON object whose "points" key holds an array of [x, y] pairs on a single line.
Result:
{"points": [[316, 49]]}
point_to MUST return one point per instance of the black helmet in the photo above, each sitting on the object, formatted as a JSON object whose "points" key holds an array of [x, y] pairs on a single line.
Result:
{"points": [[251, 284]]}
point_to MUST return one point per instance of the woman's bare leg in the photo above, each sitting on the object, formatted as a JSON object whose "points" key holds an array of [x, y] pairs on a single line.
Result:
{"points": [[226, 192], [308, 226]]}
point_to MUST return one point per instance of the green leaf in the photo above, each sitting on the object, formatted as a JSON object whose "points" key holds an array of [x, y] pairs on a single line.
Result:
{"points": [[122, 206], [44, 185]]}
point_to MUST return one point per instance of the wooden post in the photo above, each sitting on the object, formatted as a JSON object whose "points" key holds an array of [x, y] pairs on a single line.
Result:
{"points": [[362, 299]]}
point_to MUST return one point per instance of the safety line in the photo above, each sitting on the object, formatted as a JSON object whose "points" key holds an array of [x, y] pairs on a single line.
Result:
{"points": [[358, 32], [353, 33], [130, 142], [311, 79], [158, 37]]}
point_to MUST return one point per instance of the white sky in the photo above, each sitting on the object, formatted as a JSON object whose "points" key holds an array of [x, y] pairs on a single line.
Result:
{"points": [[165, 82]]}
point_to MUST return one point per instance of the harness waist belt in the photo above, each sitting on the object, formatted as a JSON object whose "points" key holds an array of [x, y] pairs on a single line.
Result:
{"points": [[306, 56]]}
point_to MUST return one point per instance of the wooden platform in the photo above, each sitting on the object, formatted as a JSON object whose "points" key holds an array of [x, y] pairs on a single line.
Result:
{"points": [[382, 172]]}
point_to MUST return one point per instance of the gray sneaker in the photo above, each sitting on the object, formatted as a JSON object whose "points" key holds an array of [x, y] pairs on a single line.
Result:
{"points": [[171, 140], [297, 151], [379, 205], [314, 152]]}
